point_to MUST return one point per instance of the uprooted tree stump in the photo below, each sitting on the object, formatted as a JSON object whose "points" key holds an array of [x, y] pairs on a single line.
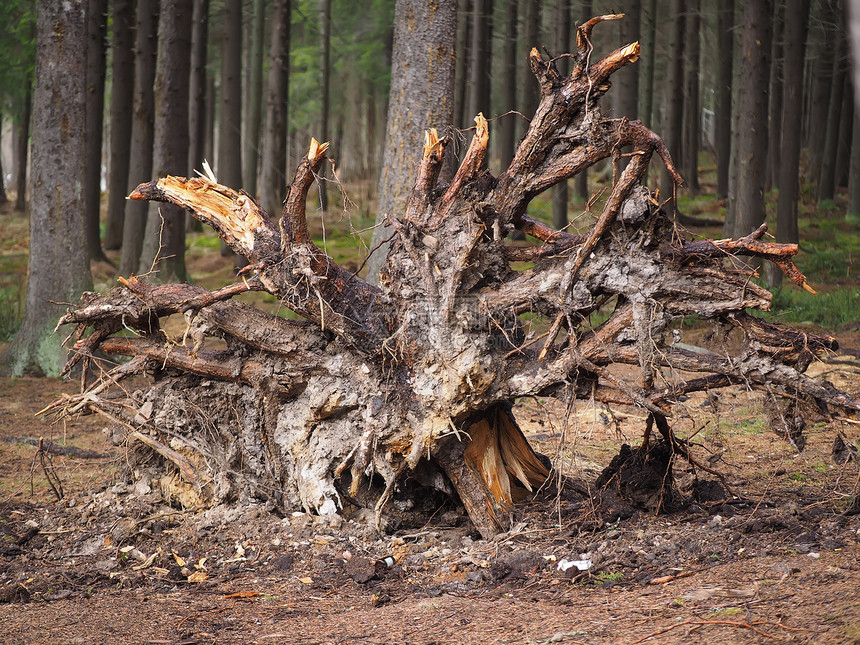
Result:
{"points": [[383, 392]]}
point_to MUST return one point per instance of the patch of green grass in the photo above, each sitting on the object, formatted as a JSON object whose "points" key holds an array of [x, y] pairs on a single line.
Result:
{"points": [[798, 477], [829, 310], [11, 311], [608, 576]]}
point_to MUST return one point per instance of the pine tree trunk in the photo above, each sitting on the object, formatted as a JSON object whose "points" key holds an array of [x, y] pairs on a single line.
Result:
{"points": [[253, 117], [273, 175], [22, 144], [96, 33], [142, 131], [692, 106], [508, 125], [827, 174], [479, 66], [751, 135], [164, 242], [325, 67], [846, 122], [415, 103], [463, 54], [561, 45], [649, 44], [775, 96], [822, 79], [796, 24], [122, 100], [580, 182], [229, 161], [59, 268], [197, 83], [673, 118], [723, 56]]}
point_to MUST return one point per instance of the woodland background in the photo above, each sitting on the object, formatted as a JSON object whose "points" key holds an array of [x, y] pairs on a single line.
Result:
{"points": [[758, 130]]}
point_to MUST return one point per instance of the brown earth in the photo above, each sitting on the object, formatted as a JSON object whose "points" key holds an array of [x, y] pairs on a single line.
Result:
{"points": [[773, 560]]}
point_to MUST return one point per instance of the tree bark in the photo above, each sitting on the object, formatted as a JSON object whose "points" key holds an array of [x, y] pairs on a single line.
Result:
{"points": [[273, 181], [229, 161], [561, 45], [846, 122], [751, 136], [580, 182], [146, 48], [96, 33], [463, 56], [479, 66], [673, 118], [692, 103], [649, 44], [822, 79], [416, 103], [796, 22], [197, 107], [402, 392], [122, 100], [775, 95], [508, 135], [325, 86], [164, 243], [59, 267], [22, 144], [827, 174], [253, 119], [723, 101]]}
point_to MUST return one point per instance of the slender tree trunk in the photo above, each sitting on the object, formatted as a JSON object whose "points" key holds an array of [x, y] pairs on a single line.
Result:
{"points": [[737, 72], [229, 167], [649, 43], [122, 100], [531, 39], [3, 198], [59, 258], [822, 79], [416, 103], [140, 166], [751, 136], [22, 141], [164, 244], [692, 104], [479, 79], [796, 21], [325, 48], [211, 101], [96, 32], [561, 45], [251, 152], [508, 125], [673, 119], [775, 95], [846, 121], [273, 176], [197, 85], [723, 100], [580, 182], [463, 53], [854, 170], [827, 174]]}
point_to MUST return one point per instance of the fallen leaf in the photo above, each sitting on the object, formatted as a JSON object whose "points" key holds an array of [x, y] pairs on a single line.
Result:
{"points": [[306, 581], [198, 576]]}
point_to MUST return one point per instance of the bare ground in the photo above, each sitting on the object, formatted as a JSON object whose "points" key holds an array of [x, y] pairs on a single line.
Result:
{"points": [[112, 563]]}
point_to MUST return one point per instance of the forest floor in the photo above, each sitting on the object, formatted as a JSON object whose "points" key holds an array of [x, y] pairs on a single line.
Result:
{"points": [[772, 559]]}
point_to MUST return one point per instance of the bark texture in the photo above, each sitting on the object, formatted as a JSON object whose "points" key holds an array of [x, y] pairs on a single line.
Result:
{"points": [[422, 78], [383, 394], [59, 267]]}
